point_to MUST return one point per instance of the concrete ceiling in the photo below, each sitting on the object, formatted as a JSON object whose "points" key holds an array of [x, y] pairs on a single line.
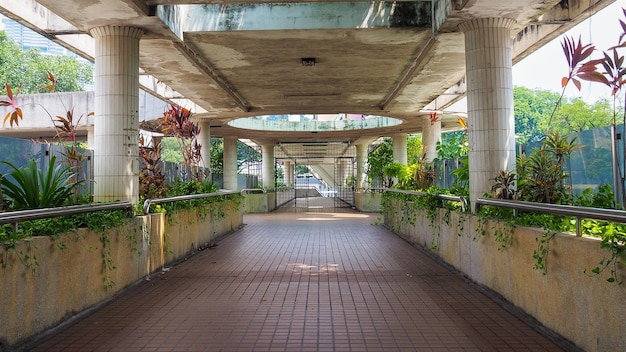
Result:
{"points": [[234, 59]]}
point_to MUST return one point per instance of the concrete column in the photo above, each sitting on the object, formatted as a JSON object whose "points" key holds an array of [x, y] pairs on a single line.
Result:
{"points": [[491, 124], [205, 141], [230, 163], [269, 171], [116, 151], [399, 147], [361, 158], [289, 173], [90, 138], [431, 134]]}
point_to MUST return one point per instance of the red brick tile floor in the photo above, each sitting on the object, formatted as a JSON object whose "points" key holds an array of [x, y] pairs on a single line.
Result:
{"points": [[304, 281]]}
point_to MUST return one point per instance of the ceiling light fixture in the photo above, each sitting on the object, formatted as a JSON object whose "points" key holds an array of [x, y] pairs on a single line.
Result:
{"points": [[308, 61]]}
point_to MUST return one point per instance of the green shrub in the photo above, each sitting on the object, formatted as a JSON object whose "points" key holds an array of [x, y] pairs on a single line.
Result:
{"points": [[30, 188]]}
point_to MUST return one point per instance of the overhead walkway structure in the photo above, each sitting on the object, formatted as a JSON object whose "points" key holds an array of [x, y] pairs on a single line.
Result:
{"points": [[226, 61]]}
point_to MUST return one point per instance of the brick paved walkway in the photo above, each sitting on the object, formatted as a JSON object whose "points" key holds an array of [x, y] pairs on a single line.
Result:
{"points": [[308, 281]]}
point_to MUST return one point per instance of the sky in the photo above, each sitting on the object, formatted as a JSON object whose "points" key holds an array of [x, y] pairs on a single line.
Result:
{"points": [[545, 67]]}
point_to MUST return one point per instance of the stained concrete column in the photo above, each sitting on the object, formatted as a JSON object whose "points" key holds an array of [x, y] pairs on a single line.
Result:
{"points": [[116, 150], [230, 163], [431, 134], [205, 141], [399, 147], [90, 138], [491, 124], [289, 173], [269, 171], [361, 158]]}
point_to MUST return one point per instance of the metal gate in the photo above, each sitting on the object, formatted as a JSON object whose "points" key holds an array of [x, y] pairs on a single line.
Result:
{"points": [[316, 183], [344, 182]]}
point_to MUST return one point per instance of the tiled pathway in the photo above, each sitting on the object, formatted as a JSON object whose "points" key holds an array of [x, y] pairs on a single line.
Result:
{"points": [[292, 281]]}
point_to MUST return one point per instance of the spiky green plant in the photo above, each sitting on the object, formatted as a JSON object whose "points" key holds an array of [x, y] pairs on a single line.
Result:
{"points": [[30, 188]]}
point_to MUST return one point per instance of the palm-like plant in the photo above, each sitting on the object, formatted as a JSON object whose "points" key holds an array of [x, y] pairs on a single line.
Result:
{"points": [[30, 188]]}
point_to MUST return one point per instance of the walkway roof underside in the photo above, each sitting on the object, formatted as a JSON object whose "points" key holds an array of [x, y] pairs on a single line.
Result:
{"points": [[233, 59]]}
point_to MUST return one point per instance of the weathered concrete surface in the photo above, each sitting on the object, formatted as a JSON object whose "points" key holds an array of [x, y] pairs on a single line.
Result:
{"points": [[48, 280], [259, 202], [586, 309], [243, 59], [367, 202], [40, 111]]}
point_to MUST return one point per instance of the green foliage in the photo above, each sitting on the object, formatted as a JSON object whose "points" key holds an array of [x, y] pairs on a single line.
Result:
{"points": [[414, 149], [541, 175], [541, 253], [400, 172], [531, 110], [28, 68], [424, 175], [614, 241], [171, 150], [461, 182], [217, 155], [177, 122], [452, 145], [504, 186], [180, 188], [376, 162], [30, 188], [602, 198], [246, 154], [151, 175]]}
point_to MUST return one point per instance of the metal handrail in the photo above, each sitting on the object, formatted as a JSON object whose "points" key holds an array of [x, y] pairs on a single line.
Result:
{"points": [[579, 213], [460, 199], [148, 202], [15, 217], [253, 190]]}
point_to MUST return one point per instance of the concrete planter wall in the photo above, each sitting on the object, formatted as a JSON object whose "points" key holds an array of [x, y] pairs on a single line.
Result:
{"points": [[585, 309], [368, 202], [259, 202], [71, 277]]}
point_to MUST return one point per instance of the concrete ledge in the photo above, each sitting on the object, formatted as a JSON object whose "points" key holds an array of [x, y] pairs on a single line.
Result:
{"points": [[259, 202], [587, 310], [368, 202], [46, 280]]}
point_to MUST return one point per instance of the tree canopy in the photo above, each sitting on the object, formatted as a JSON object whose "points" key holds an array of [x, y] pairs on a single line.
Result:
{"points": [[28, 68], [533, 108]]}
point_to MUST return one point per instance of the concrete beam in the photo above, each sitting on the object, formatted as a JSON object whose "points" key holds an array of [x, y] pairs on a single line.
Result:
{"points": [[291, 16]]}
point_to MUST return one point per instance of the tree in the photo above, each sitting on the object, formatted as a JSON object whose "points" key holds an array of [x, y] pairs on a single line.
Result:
{"points": [[576, 116], [28, 68], [217, 155], [376, 162], [171, 150], [414, 149], [246, 154], [532, 108]]}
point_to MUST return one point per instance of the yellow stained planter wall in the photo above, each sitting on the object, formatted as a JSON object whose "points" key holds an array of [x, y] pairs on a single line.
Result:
{"points": [[583, 308], [69, 276]]}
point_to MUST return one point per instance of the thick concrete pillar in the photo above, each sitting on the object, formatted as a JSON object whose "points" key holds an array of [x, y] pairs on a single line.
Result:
{"points": [[205, 141], [431, 134], [361, 158], [90, 138], [269, 171], [230, 163], [116, 151], [399, 147], [289, 173], [491, 124]]}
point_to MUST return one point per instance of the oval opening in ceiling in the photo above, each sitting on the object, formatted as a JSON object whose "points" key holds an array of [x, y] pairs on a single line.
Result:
{"points": [[314, 122]]}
